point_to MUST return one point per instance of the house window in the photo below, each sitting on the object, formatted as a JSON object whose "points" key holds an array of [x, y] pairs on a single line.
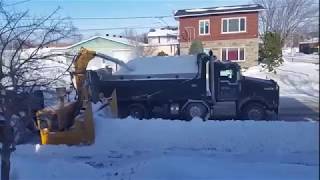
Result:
{"points": [[204, 26], [232, 54], [233, 25]]}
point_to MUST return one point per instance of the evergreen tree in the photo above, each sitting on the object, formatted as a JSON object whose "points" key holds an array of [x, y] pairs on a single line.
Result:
{"points": [[196, 47], [270, 52]]}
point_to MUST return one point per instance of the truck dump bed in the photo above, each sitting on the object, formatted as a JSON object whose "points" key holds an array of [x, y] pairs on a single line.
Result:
{"points": [[154, 77]]}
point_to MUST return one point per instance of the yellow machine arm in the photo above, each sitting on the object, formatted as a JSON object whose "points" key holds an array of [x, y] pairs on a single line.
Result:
{"points": [[72, 123]]}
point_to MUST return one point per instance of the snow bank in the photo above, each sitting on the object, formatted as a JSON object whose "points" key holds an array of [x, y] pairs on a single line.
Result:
{"points": [[161, 65], [223, 136], [138, 149]]}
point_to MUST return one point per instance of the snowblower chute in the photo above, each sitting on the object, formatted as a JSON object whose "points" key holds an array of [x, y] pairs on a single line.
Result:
{"points": [[72, 122]]}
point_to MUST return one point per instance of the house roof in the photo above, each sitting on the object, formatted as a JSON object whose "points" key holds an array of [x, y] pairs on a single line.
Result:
{"points": [[218, 10], [163, 33], [121, 40], [312, 40]]}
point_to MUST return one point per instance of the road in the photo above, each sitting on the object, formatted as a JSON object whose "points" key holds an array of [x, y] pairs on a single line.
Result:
{"points": [[307, 59], [299, 108]]}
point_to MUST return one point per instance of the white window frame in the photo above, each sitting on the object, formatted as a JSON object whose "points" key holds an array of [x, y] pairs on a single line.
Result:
{"points": [[232, 32], [204, 20], [227, 49]]}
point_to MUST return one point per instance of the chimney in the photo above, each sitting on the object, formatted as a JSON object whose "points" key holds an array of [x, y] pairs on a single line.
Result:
{"points": [[114, 35], [107, 34]]}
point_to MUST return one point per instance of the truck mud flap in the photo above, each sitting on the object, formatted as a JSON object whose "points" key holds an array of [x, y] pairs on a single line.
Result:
{"points": [[114, 104]]}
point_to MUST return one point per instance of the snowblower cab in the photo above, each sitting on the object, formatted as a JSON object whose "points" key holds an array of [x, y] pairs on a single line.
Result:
{"points": [[72, 122]]}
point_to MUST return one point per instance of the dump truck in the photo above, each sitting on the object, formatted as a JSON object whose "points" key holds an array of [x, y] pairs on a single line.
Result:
{"points": [[194, 90], [184, 87]]}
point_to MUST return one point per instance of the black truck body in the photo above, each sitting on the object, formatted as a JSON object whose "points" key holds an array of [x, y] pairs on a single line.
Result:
{"points": [[188, 95]]}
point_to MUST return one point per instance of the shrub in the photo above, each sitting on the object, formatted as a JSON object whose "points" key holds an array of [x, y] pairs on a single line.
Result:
{"points": [[196, 47]]}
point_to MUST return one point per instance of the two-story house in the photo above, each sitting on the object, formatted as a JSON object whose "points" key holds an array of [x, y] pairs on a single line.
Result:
{"points": [[231, 32], [163, 39]]}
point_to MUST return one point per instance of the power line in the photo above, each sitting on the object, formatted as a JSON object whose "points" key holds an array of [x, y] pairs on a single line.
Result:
{"points": [[102, 18], [16, 3], [116, 28]]}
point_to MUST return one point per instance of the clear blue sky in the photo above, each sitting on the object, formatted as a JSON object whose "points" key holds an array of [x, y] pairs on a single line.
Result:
{"points": [[117, 8]]}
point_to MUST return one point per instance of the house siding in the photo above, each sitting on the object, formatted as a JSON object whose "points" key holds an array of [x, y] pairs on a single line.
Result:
{"points": [[112, 48]]}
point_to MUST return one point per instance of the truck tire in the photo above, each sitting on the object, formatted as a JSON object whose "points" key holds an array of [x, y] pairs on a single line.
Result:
{"points": [[137, 111], [195, 110], [253, 111]]}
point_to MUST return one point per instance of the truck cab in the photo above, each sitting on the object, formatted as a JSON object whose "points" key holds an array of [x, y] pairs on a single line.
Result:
{"points": [[253, 97]]}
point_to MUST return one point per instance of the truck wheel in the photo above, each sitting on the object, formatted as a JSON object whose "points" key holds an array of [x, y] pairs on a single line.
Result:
{"points": [[195, 110], [254, 111], [137, 111]]}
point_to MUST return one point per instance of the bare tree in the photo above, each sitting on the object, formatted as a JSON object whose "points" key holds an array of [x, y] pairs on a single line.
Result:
{"points": [[149, 50], [25, 62], [135, 40], [287, 16]]}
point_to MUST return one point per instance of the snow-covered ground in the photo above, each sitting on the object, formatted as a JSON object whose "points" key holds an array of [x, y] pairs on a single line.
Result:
{"points": [[160, 149], [164, 149], [293, 55], [299, 87]]}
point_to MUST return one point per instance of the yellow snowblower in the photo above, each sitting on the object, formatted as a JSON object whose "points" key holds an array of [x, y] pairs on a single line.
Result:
{"points": [[72, 123]]}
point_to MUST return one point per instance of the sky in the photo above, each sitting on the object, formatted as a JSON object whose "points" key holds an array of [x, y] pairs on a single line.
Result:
{"points": [[115, 9]]}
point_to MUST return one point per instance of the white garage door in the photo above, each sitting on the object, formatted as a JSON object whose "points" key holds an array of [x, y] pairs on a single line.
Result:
{"points": [[124, 55]]}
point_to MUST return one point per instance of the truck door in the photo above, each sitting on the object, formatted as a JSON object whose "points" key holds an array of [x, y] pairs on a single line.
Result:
{"points": [[228, 85]]}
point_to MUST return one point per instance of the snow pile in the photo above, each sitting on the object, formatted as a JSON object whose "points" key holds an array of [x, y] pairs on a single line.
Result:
{"points": [[161, 65]]}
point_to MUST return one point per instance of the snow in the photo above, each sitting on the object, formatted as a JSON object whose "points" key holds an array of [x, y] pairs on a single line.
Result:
{"points": [[174, 149], [163, 32], [163, 149], [292, 77], [196, 10], [227, 8], [299, 88], [221, 8], [161, 65]]}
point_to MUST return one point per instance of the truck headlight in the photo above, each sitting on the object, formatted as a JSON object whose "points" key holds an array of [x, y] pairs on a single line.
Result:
{"points": [[174, 109]]}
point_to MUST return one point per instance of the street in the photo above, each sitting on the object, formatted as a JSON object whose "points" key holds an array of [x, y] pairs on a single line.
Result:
{"points": [[299, 108]]}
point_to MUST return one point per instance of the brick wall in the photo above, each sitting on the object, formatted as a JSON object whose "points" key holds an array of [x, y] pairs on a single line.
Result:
{"points": [[250, 46], [189, 27]]}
